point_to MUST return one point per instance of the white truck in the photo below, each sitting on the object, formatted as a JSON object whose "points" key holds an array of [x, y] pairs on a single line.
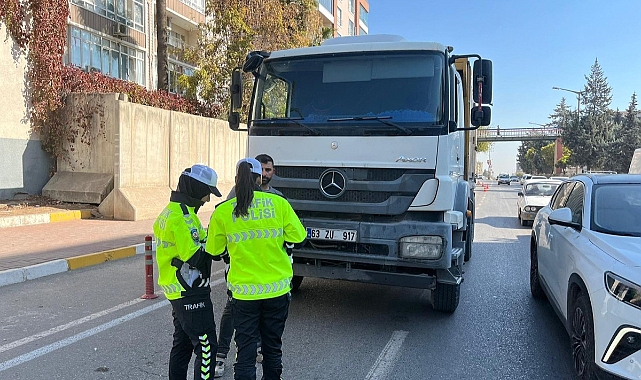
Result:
{"points": [[374, 141]]}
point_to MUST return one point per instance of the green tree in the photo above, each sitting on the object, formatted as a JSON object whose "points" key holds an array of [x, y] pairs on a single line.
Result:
{"points": [[236, 27], [597, 127], [547, 156], [628, 138]]}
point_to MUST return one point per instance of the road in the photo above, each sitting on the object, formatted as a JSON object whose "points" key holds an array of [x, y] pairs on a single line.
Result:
{"points": [[91, 324]]}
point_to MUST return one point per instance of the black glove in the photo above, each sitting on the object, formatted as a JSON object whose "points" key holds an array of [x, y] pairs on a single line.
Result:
{"points": [[289, 248]]}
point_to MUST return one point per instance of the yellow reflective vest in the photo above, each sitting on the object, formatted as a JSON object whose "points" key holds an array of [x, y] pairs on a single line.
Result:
{"points": [[259, 265], [179, 234]]}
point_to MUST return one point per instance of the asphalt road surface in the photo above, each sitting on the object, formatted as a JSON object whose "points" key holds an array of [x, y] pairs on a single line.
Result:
{"points": [[92, 324]]}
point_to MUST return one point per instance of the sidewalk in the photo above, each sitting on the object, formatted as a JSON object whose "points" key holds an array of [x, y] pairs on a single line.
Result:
{"points": [[41, 249]]}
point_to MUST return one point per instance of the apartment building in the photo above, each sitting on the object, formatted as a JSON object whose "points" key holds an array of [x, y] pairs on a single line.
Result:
{"points": [[345, 17], [118, 38]]}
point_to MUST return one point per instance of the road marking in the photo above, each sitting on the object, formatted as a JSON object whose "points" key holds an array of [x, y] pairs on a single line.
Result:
{"points": [[66, 326], [75, 338], [386, 359]]}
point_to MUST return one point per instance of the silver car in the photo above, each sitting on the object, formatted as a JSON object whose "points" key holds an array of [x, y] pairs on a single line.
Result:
{"points": [[534, 195]]}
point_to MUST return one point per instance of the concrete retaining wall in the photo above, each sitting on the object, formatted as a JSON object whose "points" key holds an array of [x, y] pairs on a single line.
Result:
{"points": [[146, 149], [24, 167]]}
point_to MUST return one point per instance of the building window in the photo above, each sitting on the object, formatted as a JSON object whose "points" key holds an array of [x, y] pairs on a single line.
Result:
{"points": [[350, 28], [363, 15], [361, 32], [177, 69], [92, 52], [339, 16], [351, 6], [128, 12], [175, 39]]}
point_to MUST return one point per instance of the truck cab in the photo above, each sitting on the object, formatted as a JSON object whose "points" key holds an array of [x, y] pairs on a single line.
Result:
{"points": [[373, 145]]}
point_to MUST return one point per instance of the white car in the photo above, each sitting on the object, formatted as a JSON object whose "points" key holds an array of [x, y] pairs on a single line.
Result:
{"points": [[535, 194], [585, 256], [560, 178]]}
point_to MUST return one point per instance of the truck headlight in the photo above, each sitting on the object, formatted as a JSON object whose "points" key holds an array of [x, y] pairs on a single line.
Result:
{"points": [[422, 247], [623, 290]]}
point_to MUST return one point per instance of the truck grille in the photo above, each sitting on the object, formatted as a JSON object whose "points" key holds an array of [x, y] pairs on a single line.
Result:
{"points": [[362, 174], [375, 191], [348, 196]]}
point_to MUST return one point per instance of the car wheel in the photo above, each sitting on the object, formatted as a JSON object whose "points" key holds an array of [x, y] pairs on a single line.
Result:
{"points": [[582, 338], [446, 296], [535, 280], [296, 281]]}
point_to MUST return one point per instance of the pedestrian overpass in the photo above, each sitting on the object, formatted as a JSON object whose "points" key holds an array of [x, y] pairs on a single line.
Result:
{"points": [[517, 134]]}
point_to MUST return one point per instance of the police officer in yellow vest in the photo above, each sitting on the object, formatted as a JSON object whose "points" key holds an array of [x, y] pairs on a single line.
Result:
{"points": [[184, 268], [253, 228]]}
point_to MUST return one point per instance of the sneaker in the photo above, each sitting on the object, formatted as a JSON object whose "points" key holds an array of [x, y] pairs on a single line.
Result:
{"points": [[259, 356], [219, 371]]}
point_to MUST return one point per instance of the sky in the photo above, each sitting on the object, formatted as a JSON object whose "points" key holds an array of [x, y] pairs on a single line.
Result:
{"points": [[533, 45]]}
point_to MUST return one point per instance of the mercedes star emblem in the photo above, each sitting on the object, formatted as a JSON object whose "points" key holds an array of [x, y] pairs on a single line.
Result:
{"points": [[332, 183]]}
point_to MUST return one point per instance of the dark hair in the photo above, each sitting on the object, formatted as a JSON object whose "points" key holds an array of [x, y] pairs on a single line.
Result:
{"points": [[245, 186], [264, 159]]}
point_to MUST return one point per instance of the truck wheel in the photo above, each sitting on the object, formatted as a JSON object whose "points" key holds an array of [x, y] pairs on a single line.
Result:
{"points": [[445, 297], [296, 281], [469, 234]]}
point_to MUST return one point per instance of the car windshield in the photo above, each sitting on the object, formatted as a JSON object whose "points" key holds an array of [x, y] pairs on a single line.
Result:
{"points": [[354, 91], [540, 189], [617, 209]]}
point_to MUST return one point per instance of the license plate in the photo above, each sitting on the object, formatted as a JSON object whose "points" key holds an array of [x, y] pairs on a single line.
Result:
{"points": [[335, 235]]}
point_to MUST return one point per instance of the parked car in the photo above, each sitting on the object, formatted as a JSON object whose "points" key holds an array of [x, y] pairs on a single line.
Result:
{"points": [[585, 256], [538, 177], [535, 194], [503, 179]]}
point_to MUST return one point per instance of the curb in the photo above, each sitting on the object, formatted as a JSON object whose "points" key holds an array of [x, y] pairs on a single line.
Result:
{"points": [[53, 217], [17, 275]]}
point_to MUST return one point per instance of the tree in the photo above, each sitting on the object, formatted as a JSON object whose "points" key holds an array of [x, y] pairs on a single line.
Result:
{"points": [[161, 37], [597, 126], [628, 138], [236, 27], [531, 159], [484, 146]]}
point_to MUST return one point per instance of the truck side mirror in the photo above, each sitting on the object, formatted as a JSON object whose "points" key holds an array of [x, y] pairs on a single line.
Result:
{"points": [[234, 121], [483, 72], [236, 89], [481, 117]]}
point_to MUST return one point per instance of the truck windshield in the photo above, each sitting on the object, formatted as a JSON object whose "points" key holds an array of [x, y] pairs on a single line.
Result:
{"points": [[404, 89]]}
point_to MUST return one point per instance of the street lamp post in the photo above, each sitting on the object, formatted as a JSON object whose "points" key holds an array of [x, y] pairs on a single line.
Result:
{"points": [[578, 99]]}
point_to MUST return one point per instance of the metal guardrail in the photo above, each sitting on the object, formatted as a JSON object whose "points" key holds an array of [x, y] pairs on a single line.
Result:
{"points": [[517, 134]]}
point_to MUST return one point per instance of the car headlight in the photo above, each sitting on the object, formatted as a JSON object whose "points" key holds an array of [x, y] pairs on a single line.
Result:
{"points": [[422, 247], [530, 208], [623, 290]]}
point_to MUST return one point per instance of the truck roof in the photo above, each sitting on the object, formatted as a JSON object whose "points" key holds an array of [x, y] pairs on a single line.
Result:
{"points": [[364, 43]]}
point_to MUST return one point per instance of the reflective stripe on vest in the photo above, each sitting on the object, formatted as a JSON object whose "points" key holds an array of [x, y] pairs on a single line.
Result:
{"points": [[172, 288], [266, 233], [255, 289]]}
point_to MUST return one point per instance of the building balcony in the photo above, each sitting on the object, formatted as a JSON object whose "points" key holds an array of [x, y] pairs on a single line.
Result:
{"points": [[326, 9]]}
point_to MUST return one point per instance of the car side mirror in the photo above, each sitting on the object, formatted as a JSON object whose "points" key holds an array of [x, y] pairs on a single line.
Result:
{"points": [[563, 217]]}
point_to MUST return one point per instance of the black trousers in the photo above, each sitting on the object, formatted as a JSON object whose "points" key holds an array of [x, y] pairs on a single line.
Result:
{"points": [[194, 331], [226, 330], [264, 320]]}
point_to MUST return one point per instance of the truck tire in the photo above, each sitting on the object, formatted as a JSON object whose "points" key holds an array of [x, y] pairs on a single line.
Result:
{"points": [[296, 281], [445, 297], [469, 235]]}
